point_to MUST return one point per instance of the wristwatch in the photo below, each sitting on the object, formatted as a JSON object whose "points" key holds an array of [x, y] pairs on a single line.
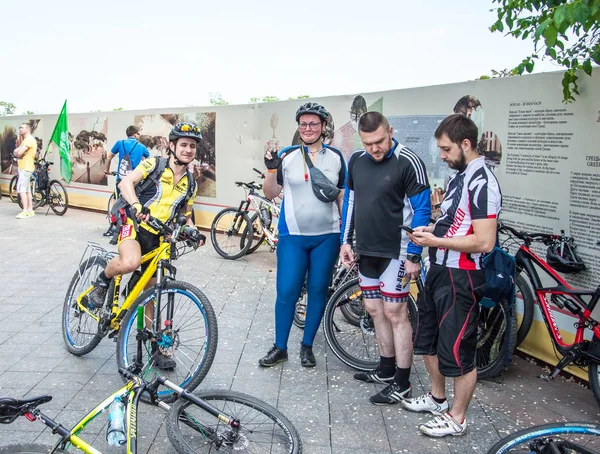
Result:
{"points": [[415, 258]]}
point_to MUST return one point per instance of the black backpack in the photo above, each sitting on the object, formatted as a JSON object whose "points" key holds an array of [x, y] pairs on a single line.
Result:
{"points": [[121, 208], [125, 166]]}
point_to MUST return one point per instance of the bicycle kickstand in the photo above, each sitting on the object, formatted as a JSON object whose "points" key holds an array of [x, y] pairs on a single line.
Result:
{"points": [[564, 362]]}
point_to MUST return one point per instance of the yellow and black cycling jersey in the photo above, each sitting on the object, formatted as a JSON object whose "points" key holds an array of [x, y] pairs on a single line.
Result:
{"points": [[165, 199]]}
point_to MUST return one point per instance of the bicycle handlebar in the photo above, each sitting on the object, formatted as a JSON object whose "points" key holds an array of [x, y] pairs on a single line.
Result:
{"points": [[528, 237], [250, 185], [262, 174]]}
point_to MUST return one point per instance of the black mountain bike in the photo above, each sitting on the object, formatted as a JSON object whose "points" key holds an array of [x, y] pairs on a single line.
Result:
{"points": [[43, 190]]}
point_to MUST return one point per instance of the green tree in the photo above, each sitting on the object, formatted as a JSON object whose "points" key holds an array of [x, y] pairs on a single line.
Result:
{"points": [[117, 109], [216, 99], [7, 108], [300, 97], [267, 98], [566, 31]]}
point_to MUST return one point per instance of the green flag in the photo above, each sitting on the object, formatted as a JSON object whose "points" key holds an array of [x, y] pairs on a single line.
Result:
{"points": [[60, 137]]}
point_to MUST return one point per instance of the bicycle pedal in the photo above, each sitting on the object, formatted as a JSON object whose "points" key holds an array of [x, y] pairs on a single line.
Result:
{"points": [[546, 377]]}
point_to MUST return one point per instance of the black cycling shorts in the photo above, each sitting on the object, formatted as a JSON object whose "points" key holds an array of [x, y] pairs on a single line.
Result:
{"points": [[148, 240], [448, 317]]}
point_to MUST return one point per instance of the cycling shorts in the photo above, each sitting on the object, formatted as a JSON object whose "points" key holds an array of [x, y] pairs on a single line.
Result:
{"points": [[148, 240], [383, 278], [448, 318]]}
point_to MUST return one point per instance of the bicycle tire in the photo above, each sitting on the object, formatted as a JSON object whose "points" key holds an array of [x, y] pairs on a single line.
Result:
{"points": [[29, 449], [36, 195], [493, 324], [12, 189], [80, 282], [258, 236], [523, 328], [355, 346], [111, 202], [594, 377], [225, 233], [193, 359], [57, 197], [543, 432], [262, 427], [300, 309]]}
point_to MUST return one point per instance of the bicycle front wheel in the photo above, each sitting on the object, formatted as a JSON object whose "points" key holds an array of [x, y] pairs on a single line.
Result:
{"points": [[12, 189], [111, 202], [81, 332], [189, 338], [355, 345], [226, 233], [258, 236], [29, 449], [300, 310], [524, 306], [494, 324], [262, 428], [57, 197], [568, 437]]}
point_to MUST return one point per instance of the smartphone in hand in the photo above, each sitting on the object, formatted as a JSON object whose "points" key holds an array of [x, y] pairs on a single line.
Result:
{"points": [[407, 229]]}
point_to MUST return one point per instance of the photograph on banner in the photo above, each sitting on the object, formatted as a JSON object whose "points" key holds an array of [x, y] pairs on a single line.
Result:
{"points": [[87, 136], [346, 138], [9, 140], [154, 134]]}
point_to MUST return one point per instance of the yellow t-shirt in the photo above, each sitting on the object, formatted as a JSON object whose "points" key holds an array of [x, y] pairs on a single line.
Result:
{"points": [[164, 199], [26, 161]]}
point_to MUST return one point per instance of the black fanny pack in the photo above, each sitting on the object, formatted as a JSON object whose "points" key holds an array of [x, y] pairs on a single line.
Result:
{"points": [[322, 186]]}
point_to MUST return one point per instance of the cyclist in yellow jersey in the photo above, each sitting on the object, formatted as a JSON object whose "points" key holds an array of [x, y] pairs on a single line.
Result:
{"points": [[163, 201]]}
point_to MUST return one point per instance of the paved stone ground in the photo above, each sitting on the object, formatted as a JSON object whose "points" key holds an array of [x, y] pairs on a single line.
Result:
{"points": [[331, 411]]}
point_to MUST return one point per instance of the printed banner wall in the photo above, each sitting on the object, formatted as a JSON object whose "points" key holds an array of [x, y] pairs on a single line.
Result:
{"points": [[544, 153]]}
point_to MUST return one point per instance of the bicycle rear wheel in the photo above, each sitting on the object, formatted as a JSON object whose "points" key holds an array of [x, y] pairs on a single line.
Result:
{"points": [[494, 324], [354, 345], [29, 449], [81, 332], [568, 437], [12, 189], [262, 428], [190, 339], [300, 310], [57, 197], [226, 233]]}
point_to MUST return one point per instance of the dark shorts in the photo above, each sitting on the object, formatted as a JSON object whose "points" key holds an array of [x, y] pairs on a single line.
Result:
{"points": [[448, 316], [148, 240]]}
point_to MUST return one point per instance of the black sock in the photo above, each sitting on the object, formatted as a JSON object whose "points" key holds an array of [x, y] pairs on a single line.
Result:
{"points": [[402, 377], [439, 401], [387, 365]]}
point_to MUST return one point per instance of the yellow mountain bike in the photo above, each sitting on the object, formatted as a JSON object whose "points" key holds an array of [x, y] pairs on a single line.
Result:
{"points": [[183, 328], [210, 421]]}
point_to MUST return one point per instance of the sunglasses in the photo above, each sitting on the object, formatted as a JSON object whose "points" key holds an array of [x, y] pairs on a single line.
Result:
{"points": [[187, 127]]}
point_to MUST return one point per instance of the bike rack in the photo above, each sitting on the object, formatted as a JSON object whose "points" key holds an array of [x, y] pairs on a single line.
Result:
{"points": [[91, 254]]}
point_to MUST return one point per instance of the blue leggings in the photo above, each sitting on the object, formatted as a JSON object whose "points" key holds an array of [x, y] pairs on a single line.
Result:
{"points": [[295, 256]]}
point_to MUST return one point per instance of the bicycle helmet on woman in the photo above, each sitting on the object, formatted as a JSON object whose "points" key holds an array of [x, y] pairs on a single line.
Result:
{"points": [[312, 108], [566, 262], [185, 129]]}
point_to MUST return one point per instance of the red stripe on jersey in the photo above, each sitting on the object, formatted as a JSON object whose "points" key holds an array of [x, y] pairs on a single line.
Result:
{"points": [[492, 216], [463, 262]]}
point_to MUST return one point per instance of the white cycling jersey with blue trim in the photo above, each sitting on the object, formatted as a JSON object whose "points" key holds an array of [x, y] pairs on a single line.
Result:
{"points": [[301, 212]]}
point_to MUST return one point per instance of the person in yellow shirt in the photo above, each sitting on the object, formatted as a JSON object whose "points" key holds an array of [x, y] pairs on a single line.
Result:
{"points": [[25, 153]]}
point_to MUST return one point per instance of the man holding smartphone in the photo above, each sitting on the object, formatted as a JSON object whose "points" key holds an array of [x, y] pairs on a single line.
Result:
{"points": [[448, 312], [387, 187]]}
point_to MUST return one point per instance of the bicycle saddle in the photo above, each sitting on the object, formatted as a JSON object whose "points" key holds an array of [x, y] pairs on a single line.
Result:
{"points": [[11, 409]]}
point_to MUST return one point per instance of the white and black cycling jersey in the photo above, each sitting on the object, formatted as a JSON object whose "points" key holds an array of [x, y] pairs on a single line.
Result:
{"points": [[472, 194]]}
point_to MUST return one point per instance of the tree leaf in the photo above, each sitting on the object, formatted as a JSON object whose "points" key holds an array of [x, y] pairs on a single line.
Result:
{"points": [[550, 51], [540, 29], [550, 35], [529, 66], [581, 12], [587, 67], [499, 26], [560, 15]]}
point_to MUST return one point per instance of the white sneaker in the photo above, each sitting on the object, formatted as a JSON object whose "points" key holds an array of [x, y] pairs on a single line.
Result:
{"points": [[22, 215], [31, 214], [425, 403], [443, 425]]}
